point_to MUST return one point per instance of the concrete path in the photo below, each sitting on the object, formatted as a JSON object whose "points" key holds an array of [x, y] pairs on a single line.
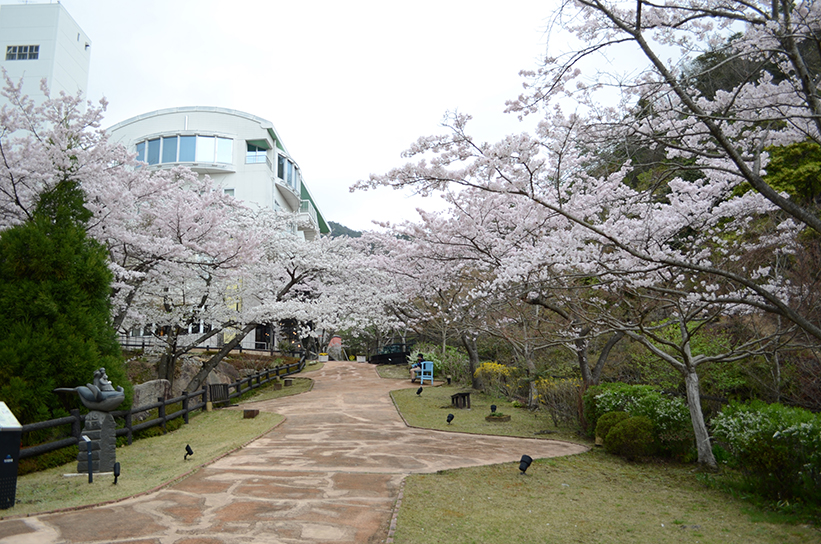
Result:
{"points": [[331, 473]]}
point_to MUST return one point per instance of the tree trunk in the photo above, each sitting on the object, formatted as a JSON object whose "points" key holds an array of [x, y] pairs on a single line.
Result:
{"points": [[581, 344], [703, 446], [197, 381], [473, 359], [595, 376], [168, 361]]}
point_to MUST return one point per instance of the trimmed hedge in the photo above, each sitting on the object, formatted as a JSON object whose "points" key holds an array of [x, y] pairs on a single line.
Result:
{"points": [[776, 448]]}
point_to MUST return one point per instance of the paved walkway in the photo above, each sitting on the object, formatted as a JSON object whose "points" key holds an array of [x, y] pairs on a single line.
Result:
{"points": [[330, 473]]}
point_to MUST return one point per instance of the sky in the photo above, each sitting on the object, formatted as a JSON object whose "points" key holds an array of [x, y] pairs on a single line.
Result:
{"points": [[348, 85]]}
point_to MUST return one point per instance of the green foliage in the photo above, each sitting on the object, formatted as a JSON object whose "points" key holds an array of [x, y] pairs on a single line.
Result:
{"points": [[454, 362], [54, 309], [796, 170], [777, 448], [707, 341], [47, 460], [631, 438], [672, 428], [610, 397], [608, 421]]}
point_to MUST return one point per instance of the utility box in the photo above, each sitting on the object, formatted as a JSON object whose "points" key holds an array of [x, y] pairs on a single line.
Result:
{"points": [[10, 433]]}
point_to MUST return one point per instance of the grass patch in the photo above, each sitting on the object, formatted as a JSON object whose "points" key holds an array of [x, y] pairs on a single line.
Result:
{"points": [[430, 409], [310, 366], [300, 385], [146, 464], [588, 498], [393, 372], [151, 462]]}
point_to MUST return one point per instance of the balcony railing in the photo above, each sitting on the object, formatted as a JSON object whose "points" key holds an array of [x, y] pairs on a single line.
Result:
{"points": [[307, 208]]}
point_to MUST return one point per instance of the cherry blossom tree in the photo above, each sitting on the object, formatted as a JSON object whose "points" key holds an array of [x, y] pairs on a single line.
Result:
{"points": [[173, 239], [289, 279], [681, 230]]}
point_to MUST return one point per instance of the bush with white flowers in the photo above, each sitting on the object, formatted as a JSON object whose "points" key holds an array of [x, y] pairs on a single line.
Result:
{"points": [[777, 448]]}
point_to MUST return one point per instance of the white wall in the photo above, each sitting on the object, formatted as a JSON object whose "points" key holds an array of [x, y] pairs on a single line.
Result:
{"points": [[254, 184], [65, 50]]}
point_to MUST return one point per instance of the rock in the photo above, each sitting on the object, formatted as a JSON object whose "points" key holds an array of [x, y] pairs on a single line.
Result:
{"points": [[147, 393]]}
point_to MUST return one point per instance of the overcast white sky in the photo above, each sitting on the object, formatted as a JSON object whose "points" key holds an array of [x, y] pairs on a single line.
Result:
{"points": [[348, 85]]}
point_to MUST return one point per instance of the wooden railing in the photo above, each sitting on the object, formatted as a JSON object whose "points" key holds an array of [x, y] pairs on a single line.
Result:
{"points": [[127, 416]]}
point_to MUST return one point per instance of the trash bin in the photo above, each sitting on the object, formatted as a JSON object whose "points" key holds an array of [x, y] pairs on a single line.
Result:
{"points": [[10, 433]]}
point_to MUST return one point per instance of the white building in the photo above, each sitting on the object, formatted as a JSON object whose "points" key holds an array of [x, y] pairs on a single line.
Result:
{"points": [[43, 41], [245, 156], [239, 151]]}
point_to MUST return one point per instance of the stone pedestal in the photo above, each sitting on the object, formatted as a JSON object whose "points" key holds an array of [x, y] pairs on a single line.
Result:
{"points": [[101, 429]]}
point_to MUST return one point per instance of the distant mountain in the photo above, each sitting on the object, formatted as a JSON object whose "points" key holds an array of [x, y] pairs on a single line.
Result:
{"points": [[339, 230]]}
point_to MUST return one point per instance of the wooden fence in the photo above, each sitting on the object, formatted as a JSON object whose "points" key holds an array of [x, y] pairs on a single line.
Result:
{"points": [[128, 428]]}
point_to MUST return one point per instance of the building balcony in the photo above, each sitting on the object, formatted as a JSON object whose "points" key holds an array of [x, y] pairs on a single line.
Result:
{"points": [[308, 221]]}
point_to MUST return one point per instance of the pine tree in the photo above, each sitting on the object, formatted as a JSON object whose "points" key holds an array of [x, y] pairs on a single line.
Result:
{"points": [[55, 289]]}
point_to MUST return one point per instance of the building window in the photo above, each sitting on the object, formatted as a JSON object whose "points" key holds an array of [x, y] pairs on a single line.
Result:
{"points": [[188, 146], [205, 149], [153, 152], [171, 149], [281, 167], [22, 52], [229, 192], [255, 154]]}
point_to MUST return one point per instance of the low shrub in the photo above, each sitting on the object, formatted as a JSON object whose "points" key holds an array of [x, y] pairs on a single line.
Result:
{"points": [[672, 428], [610, 397], [497, 378], [777, 448], [48, 460], [561, 397], [608, 421], [631, 438]]}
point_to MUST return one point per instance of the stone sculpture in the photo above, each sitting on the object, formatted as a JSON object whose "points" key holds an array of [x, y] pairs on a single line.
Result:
{"points": [[100, 395], [100, 398]]}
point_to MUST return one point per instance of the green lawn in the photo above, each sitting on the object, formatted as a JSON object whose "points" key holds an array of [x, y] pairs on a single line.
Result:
{"points": [[393, 371], [151, 462], [429, 410], [588, 498]]}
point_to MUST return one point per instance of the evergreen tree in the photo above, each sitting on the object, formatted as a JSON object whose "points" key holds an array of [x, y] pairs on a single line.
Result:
{"points": [[55, 291]]}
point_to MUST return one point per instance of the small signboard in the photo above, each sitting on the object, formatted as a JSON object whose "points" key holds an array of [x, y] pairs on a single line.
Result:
{"points": [[7, 420]]}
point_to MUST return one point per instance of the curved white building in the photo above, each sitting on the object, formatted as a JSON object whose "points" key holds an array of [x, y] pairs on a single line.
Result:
{"points": [[241, 152]]}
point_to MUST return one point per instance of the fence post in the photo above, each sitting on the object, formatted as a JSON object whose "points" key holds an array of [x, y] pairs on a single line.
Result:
{"points": [[185, 407], [205, 397], [75, 425], [161, 413], [128, 425]]}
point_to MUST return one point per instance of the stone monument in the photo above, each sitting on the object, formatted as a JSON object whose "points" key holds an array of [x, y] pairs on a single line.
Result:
{"points": [[100, 398]]}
